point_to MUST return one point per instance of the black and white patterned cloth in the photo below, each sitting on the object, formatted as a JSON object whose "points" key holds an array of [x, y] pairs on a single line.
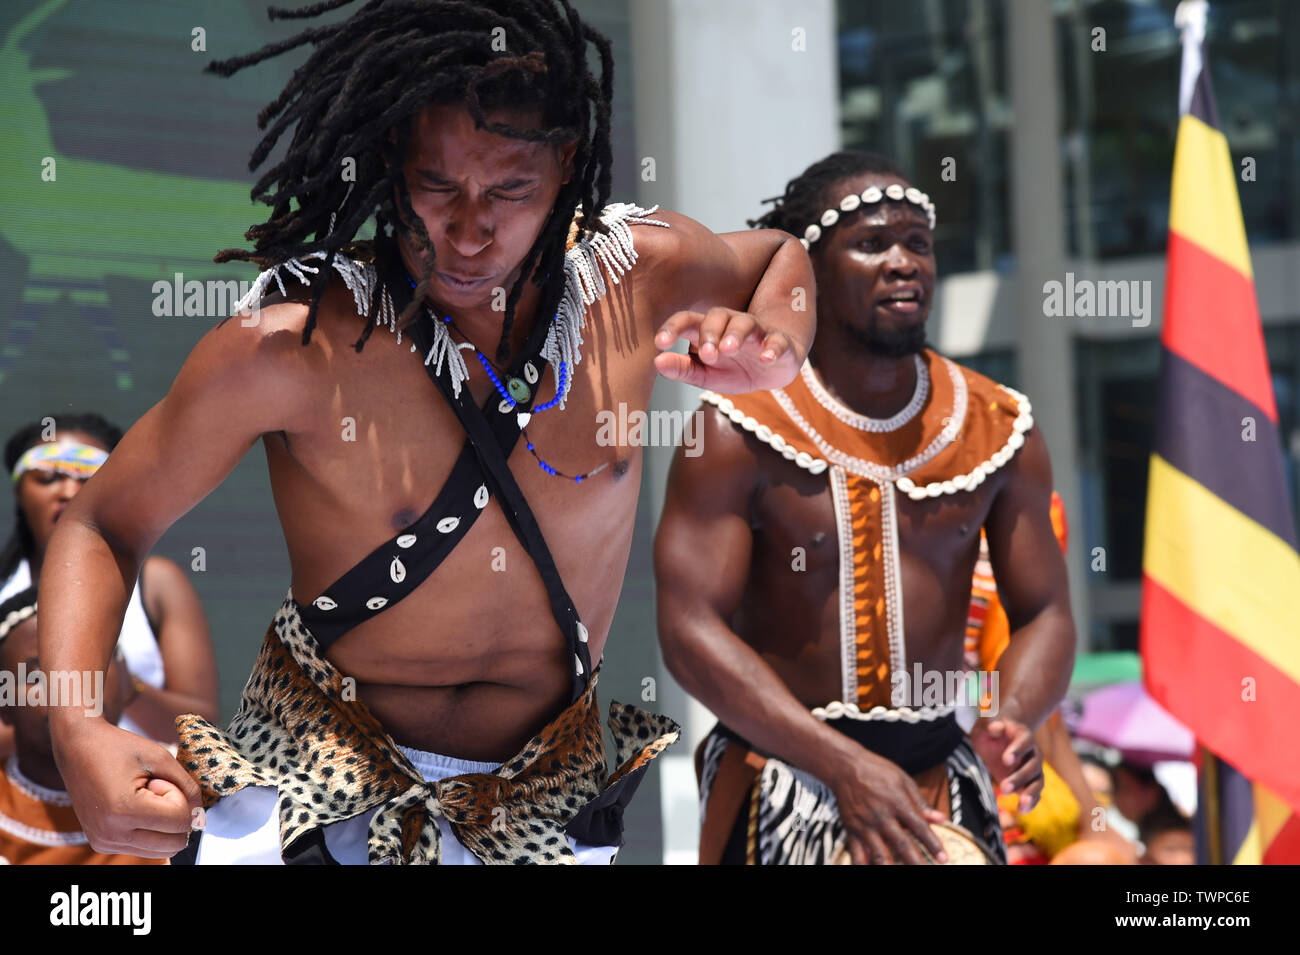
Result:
{"points": [[798, 820]]}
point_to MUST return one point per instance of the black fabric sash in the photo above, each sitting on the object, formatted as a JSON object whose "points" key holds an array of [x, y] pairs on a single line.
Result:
{"points": [[913, 747], [370, 576], [511, 499]]}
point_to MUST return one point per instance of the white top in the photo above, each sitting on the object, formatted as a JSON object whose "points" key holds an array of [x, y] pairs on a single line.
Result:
{"points": [[137, 641]]}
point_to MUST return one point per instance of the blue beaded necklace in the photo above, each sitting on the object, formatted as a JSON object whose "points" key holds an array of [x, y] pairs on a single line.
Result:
{"points": [[516, 390]]}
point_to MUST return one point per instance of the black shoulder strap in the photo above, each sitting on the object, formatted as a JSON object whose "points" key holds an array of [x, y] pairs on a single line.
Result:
{"points": [[493, 459]]}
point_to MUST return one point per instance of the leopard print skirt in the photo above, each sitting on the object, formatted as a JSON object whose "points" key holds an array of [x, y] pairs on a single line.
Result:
{"points": [[301, 730]]}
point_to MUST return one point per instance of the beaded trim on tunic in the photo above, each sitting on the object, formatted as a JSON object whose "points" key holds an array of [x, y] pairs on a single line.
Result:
{"points": [[863, 422], [34, 790], [906, 714], [870, 468], [968, 428], [816, 465], [584, 285]]}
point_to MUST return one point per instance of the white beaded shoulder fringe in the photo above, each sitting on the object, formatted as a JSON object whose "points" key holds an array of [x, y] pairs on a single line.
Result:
{"points": [[583, 285]]}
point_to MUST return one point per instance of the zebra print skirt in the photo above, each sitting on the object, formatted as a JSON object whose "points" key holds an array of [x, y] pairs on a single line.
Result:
{"points": [[791, 817]]}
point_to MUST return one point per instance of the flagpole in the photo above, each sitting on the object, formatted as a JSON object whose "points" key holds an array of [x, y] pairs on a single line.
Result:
{"points": [[1209, 806], [1189, 19]]}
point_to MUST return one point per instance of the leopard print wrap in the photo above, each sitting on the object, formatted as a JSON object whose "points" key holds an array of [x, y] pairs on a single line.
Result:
{"points": [[300, 730]]}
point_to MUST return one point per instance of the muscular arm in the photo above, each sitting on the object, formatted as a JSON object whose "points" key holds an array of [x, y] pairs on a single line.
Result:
{"points": [[233, 387], [1034, 671], [238, 382], [702, 560], [755, 287], [186, 646]]}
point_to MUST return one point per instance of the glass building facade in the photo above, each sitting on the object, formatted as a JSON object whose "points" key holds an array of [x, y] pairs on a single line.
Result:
{"points": [[927, 83]]}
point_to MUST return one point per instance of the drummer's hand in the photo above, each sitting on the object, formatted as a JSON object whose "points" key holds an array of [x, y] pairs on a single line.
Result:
{"points": [[885, 818], [1013, 759]]}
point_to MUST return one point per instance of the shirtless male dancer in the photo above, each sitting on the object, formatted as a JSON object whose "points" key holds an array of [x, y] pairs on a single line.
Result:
{"points": [[390, 718], [820, 517]]}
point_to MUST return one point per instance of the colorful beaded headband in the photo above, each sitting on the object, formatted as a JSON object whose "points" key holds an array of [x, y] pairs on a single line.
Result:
{"points": [[869, 196], [66, 457]]}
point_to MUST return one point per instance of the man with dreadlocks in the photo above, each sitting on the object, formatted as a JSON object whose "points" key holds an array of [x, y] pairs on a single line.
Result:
{"points": [[828, 512], [390, 719]]}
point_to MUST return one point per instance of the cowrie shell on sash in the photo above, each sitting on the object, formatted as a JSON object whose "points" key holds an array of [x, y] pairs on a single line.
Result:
{"points": [[375, 603], [406, 540], [523, 418], [578, 660], [530, 373], [323, 603], [481, 497], [905, 484], [397, 571], [582, 632], [448, 524], [817, 467], [505, 407]]}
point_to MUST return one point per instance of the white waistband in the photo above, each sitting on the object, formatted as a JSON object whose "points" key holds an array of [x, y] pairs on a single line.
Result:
{"points": [[433, 766]]}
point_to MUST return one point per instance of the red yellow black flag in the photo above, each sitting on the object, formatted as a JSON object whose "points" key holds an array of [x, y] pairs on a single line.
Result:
{"points": [[1220, 633]]}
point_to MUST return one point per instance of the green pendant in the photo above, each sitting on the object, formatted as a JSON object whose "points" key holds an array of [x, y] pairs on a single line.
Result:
{"points": [[518, 389]]}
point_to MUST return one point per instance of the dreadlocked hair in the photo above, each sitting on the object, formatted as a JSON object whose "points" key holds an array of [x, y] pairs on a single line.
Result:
{"points": [[373, 73], [808, 195]]}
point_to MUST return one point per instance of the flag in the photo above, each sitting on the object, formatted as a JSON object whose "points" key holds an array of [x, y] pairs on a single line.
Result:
{"points": [[1220, 635]]}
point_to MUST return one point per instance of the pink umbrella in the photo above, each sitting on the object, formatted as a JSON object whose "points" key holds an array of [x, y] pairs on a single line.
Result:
{"points": [[1124, 717]]}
